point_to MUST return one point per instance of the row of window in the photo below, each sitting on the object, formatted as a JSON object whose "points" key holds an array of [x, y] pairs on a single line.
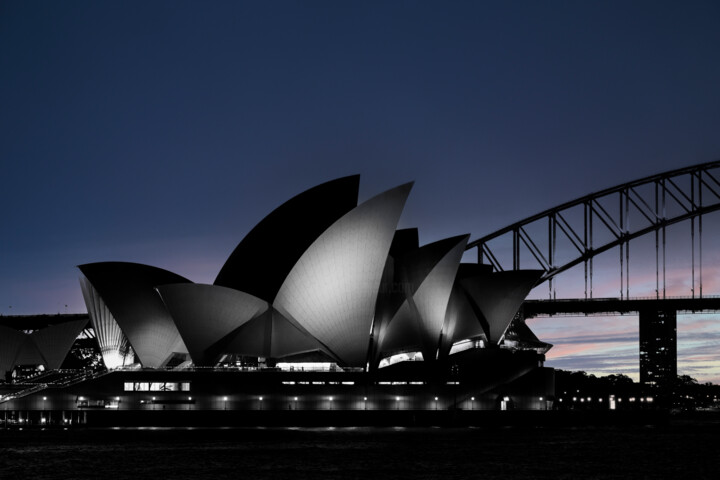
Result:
{"points": [[157, 386], [318, 383]]}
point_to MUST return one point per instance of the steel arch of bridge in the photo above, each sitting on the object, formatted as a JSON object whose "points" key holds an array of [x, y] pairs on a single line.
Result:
{"points": [[653, 203]]}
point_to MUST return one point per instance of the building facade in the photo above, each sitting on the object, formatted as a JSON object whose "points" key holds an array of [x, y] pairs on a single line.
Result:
{"points": [[324, 298]]}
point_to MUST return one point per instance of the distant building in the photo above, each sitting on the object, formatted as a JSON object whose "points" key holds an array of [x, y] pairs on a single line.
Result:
{"points": [[658, 348]]}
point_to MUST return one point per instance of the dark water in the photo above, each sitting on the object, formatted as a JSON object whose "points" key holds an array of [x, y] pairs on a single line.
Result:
{"points": [[680, 450]]}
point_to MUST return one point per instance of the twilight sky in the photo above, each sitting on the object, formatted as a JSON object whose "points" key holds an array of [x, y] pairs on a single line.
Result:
{"points": [[161, 132]]}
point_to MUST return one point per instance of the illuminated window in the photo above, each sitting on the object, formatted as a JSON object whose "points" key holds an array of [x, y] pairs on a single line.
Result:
{"points": [[156, 387], [402, 357]]}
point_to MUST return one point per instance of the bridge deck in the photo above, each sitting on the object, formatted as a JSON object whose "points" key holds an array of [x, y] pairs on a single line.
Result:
{"points": [[608, 306]]}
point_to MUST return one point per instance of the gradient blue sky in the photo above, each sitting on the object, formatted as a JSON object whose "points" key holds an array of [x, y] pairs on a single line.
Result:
{"points": [[161, 132]]}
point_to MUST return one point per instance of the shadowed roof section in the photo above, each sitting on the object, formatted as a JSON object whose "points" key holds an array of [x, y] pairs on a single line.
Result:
{"points": [[431, 297], [48, 345], [429, 273], [461, 321], [128, 290], [55, 342], [269, 335], [499, 296], [205, 314], [11, 341], [262, 260]]}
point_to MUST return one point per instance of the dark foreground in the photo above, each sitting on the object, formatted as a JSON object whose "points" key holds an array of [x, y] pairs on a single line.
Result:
{"points": [[683, 447]]}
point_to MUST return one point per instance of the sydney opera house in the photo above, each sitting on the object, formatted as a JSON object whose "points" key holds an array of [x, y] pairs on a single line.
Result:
{"points": [[325, 304]]}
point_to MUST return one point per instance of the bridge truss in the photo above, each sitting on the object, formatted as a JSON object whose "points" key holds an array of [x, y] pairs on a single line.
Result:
{"points": [[601, 221]]}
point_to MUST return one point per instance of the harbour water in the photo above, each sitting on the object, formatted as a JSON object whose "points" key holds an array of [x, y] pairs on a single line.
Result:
{"points": [[683, 448]]}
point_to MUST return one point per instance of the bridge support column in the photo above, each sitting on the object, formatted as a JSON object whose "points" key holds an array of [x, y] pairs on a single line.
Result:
{"points": [[658, 349]]}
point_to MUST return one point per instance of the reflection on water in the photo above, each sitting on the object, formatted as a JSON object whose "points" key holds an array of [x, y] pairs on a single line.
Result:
{"points": [[687, 450]]}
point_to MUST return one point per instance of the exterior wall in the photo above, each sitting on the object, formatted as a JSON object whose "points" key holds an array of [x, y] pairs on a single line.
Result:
{"points": [[218, 390]]}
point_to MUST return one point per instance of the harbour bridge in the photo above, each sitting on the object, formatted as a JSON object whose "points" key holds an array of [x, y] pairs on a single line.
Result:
{"points": [[580, 236]]}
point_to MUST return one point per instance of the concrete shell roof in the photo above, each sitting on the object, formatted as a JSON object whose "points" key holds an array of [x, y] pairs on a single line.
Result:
{"points": [[128, 290], [429, 273], [332, 290], [262, 260], [55, 342], [205, 314], [110, 337], [47, 346], [498, 296], [11, 341]]}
